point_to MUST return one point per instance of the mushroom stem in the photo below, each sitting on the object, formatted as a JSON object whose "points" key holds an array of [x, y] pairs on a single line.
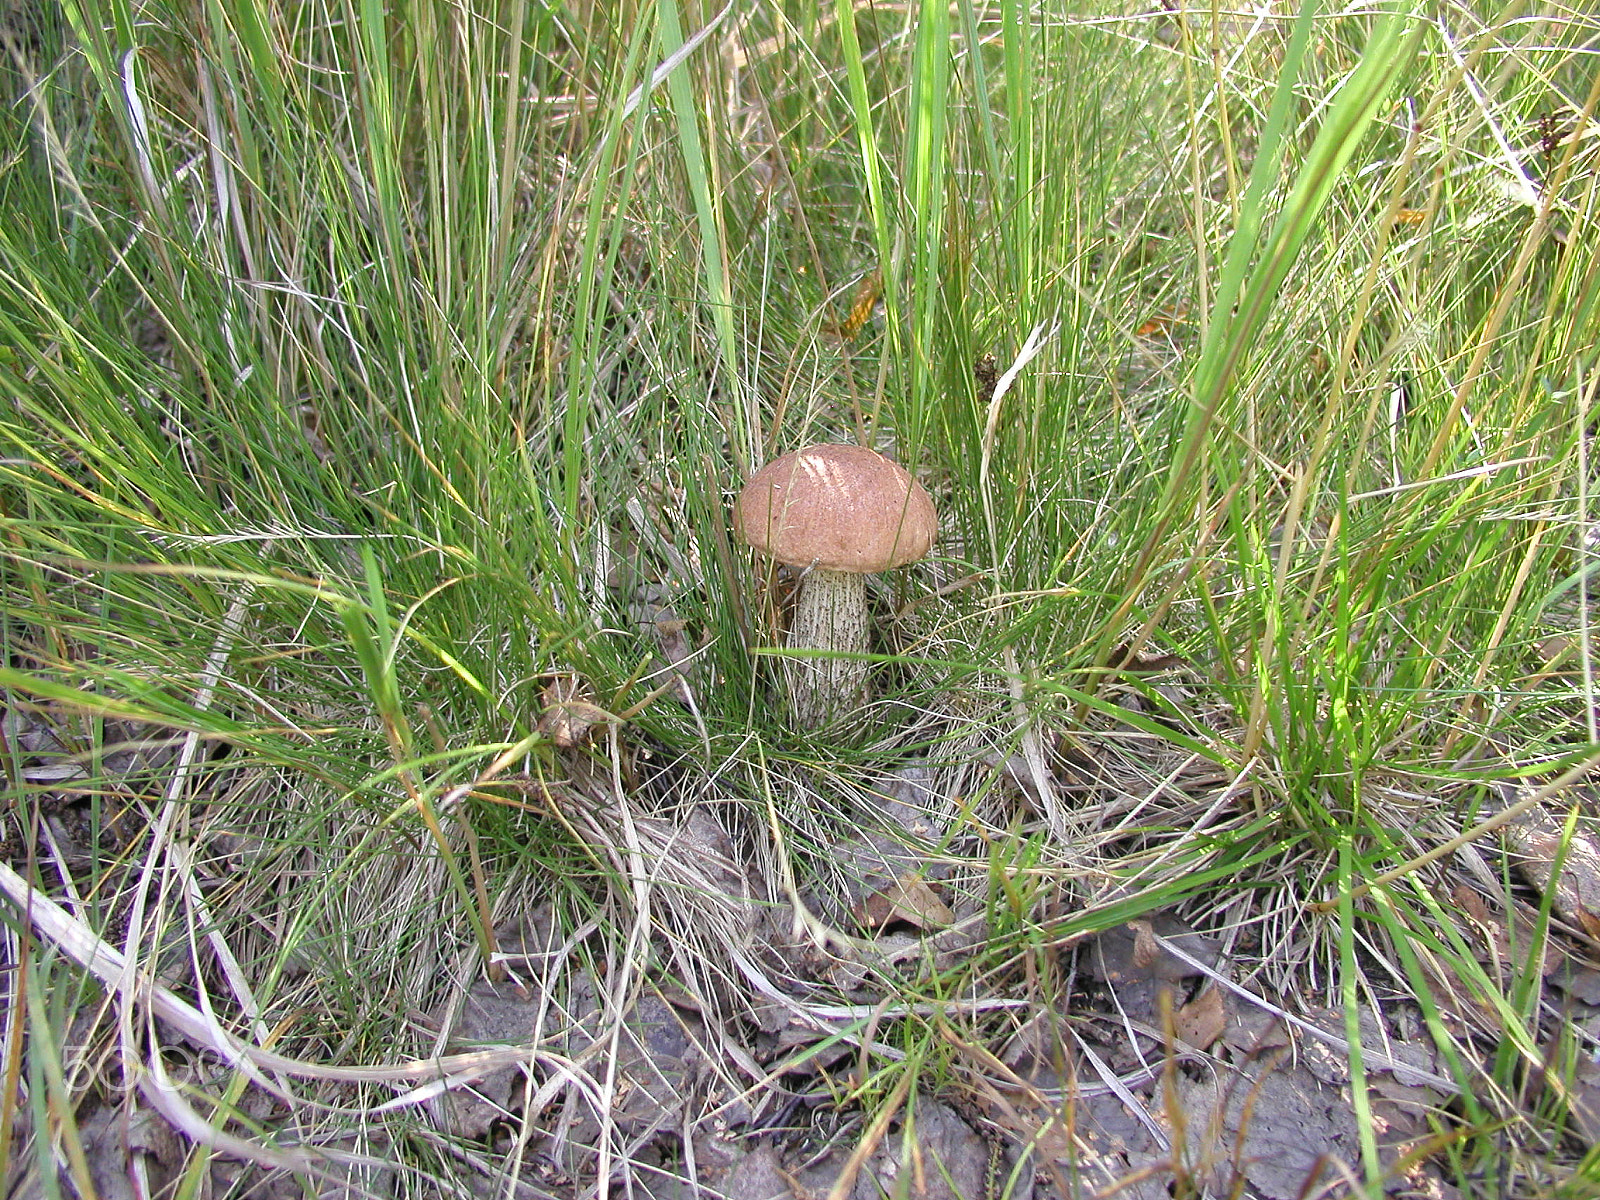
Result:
{"points": [[830, 614]]}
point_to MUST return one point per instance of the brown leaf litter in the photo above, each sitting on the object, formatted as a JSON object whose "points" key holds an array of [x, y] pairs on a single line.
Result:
{"points": [[1228, 1095], [569, 716], [738, 1072], [1536, 840]]}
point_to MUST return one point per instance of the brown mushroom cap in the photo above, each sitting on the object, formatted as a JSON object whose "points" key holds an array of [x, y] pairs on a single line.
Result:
{"points": [[840, 508]]}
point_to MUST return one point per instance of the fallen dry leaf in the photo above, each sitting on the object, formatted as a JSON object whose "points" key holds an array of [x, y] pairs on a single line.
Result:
{"points": [[1582, 1089], [1506, 948], [1411, 1061], [908, 899], [1579, 981], [876, 878], [570, 718], [1255, 1031], [868, 292], [114, 1136], [1091, 1143], [1273, 1123], [1132, 962], [1535, 840], [491, 1013], [909, 799], [657, 1063], [1201, 1022], [934, 1156], [1129, 952], [759, 1175], [340, 1181], [1128, 658], [655, 616], [1312, 1082]]}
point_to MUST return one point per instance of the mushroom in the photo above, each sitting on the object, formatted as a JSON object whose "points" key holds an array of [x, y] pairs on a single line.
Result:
{"points": [[840, 513]]}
